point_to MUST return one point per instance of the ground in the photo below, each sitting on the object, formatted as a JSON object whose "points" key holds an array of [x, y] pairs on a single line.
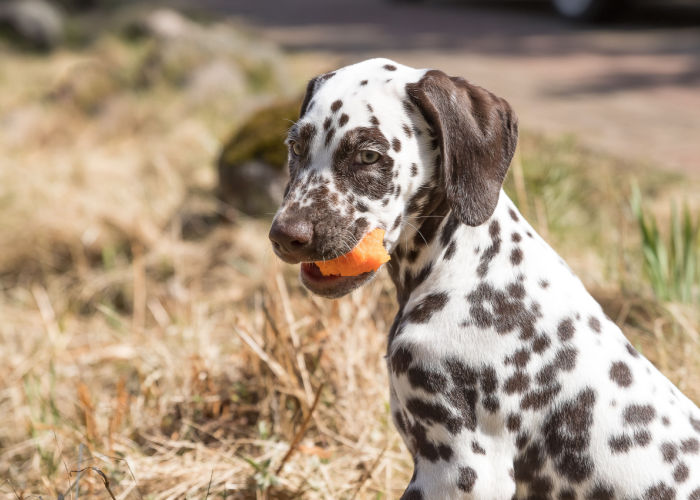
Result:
{"points": [[630, 88]]}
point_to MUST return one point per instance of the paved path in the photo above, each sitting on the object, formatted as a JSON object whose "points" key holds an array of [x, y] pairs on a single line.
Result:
{"points": [[632, 89]]}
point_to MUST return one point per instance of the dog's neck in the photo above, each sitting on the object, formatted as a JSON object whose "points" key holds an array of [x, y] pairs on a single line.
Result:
{"points": [[436, 247]]}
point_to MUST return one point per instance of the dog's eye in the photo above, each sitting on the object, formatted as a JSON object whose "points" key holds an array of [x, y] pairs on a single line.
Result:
{"points": [[367, 157], [296, 148]]}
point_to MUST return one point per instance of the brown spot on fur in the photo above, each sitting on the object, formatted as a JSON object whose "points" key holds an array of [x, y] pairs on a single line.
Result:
{"points": [[680, 473], [539, 398], [567, 436], [413, 494], [329, 136], [566, 329], [513, 422], [690, 446], [601, 492], [450, 251], [433, 413], [516, 256], [428, 380], [669, 451], [621, 374], [540, 344], [633, 352], [519, 358], [400, 360], [428, 306], [620, 444], [518, 382], [477, 449], [695, 424], [642, 438], [660, 491], [639, 414], [467, 478], [492, 250]]}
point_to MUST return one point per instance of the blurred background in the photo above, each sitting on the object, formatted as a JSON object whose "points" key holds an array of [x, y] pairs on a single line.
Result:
{"points": [[152, 346]]}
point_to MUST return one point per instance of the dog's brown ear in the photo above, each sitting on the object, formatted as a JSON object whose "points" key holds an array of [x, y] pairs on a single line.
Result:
{"points": [[477, 133]]}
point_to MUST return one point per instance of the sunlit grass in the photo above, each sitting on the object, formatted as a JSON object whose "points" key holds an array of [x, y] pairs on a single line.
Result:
{"points": [[670, 262]]}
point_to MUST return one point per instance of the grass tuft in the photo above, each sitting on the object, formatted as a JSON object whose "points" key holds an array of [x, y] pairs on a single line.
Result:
{"points": [[670, 263]]}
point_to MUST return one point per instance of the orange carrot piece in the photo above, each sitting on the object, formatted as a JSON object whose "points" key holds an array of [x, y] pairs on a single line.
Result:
{"points": [[368, 255]]}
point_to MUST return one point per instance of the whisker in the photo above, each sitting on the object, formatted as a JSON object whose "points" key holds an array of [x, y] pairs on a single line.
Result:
{"points": [[351, 244], [418, 231], [350, 238], [344, 242], [347, 247]]}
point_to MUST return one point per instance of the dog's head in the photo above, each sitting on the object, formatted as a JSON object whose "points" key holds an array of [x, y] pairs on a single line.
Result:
{"points": [[378, 143]]}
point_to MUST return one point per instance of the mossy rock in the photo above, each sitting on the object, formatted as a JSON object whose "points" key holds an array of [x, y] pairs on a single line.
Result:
{"points": [[252, 164], [262, 136]]}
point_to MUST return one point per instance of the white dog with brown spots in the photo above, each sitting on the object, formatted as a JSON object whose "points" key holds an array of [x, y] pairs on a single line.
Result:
{"points": [[507, 379]]}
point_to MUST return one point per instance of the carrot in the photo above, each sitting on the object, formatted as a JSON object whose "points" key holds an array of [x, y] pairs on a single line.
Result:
{"points": [[368, 255]]}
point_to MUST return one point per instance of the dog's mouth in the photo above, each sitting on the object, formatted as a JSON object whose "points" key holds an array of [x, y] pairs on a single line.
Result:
{"points": [[330, 287]]}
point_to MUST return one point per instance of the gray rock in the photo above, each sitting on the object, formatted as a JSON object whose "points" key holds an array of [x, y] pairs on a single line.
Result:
{"points": [[168, 23], [216, 79], [255, 188], [34, 23]]}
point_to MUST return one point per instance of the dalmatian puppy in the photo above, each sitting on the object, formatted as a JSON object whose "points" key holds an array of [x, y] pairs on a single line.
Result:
{"points": [[507, 379]]}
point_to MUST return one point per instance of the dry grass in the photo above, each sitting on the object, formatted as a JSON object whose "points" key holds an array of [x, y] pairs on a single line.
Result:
{"points": [[206, 390], [166, 353]]}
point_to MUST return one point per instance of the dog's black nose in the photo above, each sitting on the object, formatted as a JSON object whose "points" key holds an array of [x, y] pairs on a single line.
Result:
{"points": [[291, 237]]}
